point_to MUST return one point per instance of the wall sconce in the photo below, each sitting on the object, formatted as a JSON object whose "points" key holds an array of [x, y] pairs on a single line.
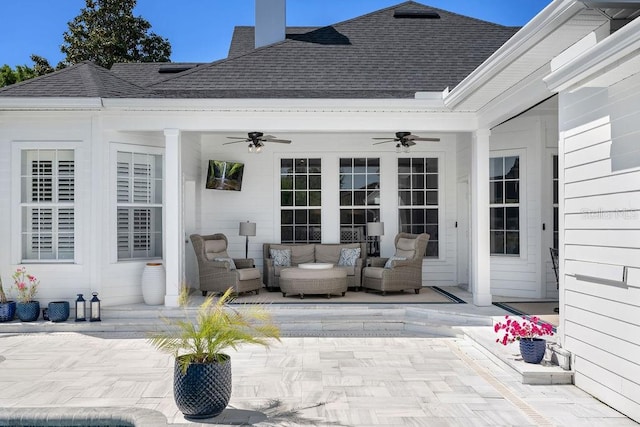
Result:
{"points": [[81, 306], [247, 229], [95, 308], [374, 231]]}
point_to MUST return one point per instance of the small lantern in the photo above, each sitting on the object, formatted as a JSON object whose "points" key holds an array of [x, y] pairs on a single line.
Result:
{"points": [[81, 306], [95, 308]]}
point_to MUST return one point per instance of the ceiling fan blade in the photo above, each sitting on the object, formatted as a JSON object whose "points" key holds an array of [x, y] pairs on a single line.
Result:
{"points": [[236, 137], [418, 138], [386, 139], [233, 142], [383, 142], [282, 141], [409, 143]]}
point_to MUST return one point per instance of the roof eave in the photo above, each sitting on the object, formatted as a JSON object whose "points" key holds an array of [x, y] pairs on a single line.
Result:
{"points": [[548, 20], [434, 103], [614, 58], [49, 103]]}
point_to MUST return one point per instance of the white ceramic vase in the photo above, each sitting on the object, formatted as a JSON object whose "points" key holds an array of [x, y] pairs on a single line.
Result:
{"points": [[153, 283]]}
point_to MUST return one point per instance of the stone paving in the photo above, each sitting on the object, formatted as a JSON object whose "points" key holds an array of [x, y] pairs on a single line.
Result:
{"points": [[301, 381]]}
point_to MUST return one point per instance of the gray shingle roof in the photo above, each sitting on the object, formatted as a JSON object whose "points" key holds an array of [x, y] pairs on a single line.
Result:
{"points": [[146, 73], [370, 56], [83, 80], [390, 53]]}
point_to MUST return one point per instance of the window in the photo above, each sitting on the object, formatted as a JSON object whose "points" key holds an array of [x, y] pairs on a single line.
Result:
{"points": [[139, 205], [47, 182], [556, 226], [418, 199], [504, 205], [300, 200], [359, 197]]}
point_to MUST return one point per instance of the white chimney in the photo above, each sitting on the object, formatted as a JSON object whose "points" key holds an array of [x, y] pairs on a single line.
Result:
{"points": [[270, 22]]}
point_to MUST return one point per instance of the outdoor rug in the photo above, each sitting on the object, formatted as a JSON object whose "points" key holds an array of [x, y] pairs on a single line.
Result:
{"points": [[545, 310], [428, 295]]}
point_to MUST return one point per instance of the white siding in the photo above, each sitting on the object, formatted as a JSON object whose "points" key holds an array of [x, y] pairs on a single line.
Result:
{"points": [[602, 240]]}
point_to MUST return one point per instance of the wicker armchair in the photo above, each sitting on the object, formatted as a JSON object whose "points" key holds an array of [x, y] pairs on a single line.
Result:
{"points": [[216, 270], [404, 273]]}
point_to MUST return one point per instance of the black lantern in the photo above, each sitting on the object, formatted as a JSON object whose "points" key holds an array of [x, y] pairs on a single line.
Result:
{"points": [[95, 308], [81, 306]]}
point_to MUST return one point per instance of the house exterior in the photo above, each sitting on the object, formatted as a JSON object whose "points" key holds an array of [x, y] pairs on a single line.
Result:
{"points": [[103, 170]]}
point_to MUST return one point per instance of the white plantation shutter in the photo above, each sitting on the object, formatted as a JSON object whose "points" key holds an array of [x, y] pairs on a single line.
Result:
{"points": [[139, 210], [48, 205]]}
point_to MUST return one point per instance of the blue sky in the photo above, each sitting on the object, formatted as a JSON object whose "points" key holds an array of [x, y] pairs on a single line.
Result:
{"points": [[200, 30]]}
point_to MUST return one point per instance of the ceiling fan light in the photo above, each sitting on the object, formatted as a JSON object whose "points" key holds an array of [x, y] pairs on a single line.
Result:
{"points": [[259, 149], [250, 149], [398, 148]]}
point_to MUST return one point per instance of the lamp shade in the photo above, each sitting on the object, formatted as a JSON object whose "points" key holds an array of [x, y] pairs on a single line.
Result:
{"points": [[247, 228], [375, 229]]}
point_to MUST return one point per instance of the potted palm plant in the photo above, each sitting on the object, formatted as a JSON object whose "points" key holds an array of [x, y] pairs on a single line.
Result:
{"points": [[7, 308], [202, 369]]}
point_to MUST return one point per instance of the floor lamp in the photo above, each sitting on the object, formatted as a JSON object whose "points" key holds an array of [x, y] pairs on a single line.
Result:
{"points": [[247, 229], [375, 230]]}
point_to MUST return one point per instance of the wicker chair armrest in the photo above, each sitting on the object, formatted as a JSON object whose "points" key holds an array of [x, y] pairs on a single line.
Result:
{"points": [[377, 262], [244, 262]]}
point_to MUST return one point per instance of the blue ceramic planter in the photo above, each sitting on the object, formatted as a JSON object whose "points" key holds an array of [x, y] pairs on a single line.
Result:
{"points": [[532, 349], [58, 311], [7, 311], [28, 311]]}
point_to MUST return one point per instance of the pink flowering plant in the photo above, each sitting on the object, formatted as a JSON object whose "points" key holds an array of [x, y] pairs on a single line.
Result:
{"points": [[514, 330], [26, 284]]}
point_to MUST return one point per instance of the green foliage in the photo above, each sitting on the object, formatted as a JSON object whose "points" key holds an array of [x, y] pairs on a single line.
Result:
{"points": [[9, 76], [217, 327], [106, 32]]}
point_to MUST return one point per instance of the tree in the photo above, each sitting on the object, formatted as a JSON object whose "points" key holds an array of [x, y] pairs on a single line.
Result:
{"points": [[106, 32], [9, 76]]}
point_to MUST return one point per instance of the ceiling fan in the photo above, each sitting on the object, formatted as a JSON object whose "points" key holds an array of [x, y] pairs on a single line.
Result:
{"points": [[256, 140], [405, 140]]}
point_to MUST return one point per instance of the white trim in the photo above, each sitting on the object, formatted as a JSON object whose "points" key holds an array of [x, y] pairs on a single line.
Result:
{"points": [[608, 56], [431, 104], [24, 103]]}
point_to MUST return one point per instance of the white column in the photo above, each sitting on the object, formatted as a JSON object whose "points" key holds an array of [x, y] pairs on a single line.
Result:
{"points": [[480, 260], [172, 221]]}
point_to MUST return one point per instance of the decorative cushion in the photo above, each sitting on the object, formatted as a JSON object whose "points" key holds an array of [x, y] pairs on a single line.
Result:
{"points": [[389, 262], [232, 265], [330, 252], [349, 256], [215, 248], [281, 257], [406, 247]]}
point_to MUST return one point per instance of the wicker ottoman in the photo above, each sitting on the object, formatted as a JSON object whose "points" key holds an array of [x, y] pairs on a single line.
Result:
{"points": [[303, 281]]}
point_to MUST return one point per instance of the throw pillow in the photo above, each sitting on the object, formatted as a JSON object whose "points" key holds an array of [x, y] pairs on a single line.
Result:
{"points": [[349, 256], [393, 258], [281, 257], [232, 265]]}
